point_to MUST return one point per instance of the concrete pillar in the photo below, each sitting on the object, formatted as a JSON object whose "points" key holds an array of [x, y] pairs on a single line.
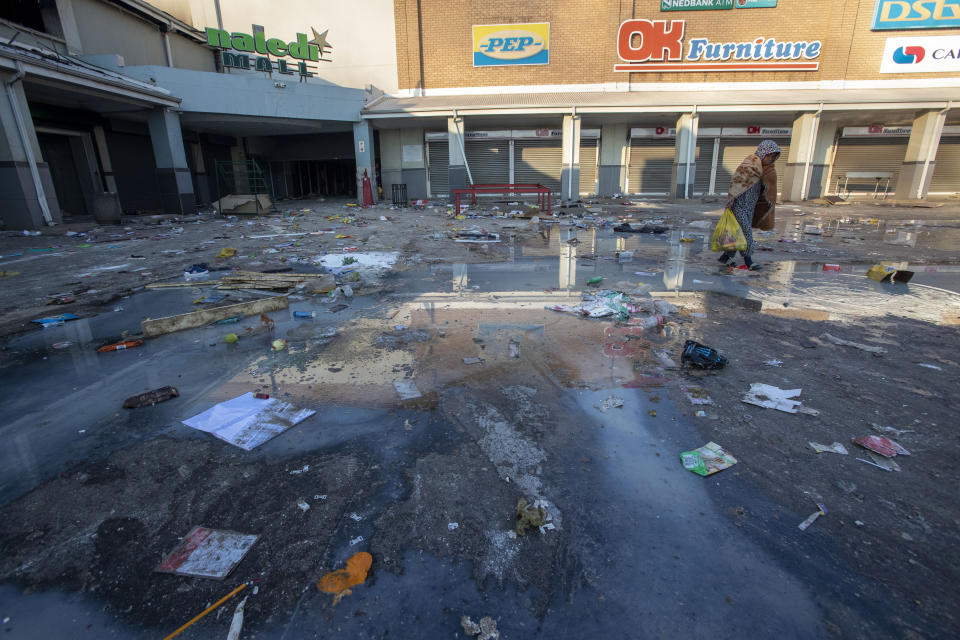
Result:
{"points": [[822, 160], [363, 150], [613, 158], [570, 159], [795, 168], [21, 206], [685, 156], [917, 169], [173, 174], [457, 173]]}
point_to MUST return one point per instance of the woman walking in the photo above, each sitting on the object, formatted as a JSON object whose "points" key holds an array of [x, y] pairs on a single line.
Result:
{"points": [[755, 176]]}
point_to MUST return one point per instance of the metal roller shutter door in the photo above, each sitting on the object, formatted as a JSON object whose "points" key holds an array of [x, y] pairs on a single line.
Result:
{"points": [[537, 162], [437, 152], [701, 179], [588, 166], [946, 172], [867, 154], [489, 161], [734, 150], [650, 167]]}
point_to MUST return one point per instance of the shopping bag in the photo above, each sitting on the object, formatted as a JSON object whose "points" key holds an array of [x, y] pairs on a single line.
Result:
{"points": [[728, 236]]}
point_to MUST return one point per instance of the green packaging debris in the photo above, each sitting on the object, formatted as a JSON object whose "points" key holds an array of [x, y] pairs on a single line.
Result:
{"points": [[707, 460], [595, 280]]}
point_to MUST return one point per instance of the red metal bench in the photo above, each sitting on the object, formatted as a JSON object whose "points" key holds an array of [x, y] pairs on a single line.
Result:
{"points": [[542, 193]]}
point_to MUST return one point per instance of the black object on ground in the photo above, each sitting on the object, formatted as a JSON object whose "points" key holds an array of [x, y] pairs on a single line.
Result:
{"points": [[647, 228], [702, 356]]}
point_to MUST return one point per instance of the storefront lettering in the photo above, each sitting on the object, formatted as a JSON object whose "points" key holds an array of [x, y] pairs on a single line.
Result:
{"points": [[916, 14], [641, 41], [300, 49]]}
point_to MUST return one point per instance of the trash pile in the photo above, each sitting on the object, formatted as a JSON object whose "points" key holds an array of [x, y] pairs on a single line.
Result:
{"points": [[607, 303]]}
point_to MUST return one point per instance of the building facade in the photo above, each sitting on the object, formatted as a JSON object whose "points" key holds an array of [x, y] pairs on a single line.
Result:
{"points": [[666, 97], [130, 106]]}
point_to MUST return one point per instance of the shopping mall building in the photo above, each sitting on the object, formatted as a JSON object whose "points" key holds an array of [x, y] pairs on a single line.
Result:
{"points": [[125, 105]]}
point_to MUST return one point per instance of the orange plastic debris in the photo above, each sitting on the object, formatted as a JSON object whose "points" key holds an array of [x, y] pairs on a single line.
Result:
{"points": [[340, 581]]}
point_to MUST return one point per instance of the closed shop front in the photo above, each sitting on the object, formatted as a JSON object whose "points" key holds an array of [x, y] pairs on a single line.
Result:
{"points": [[438, 160], [588, 165], [865, 164], [701, 178], [537, 162], [946, 172], [489, 160], [650, 165]]}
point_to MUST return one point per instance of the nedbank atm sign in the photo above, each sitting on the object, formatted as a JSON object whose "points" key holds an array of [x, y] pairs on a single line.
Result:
{"points": [[244, 44]]}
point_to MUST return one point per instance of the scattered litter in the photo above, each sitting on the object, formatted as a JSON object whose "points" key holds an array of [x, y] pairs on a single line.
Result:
{"points": [[160, 326], [931, 366], [62, 345], [836, 447], [196, 271], [208, 610], [707, 460], [831, 267], [879, 444], [514, 349], [236, 624], [530, 516], [697, 395], [120, 346], [248, 422], [150, 398], [304, 314], [645, 274], [774, 363], [304, 506], [356, 517], [896, 432], [278, 345], [855, 345], [452, 526], [477, 236], [406, 389], [647, 228], [339, 582], [595, 280], [888, 273], [207, 553], [486, 630], [610, 402], [770, 397], [702, 356], [55, 320], [230, 338], [701, 224], [305, 468], [227, 252], [883, 463], [607, 303], [473, 361], [821, 510]]}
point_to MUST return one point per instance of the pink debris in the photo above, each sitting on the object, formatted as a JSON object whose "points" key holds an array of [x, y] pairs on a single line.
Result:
{"points": [[878, 444]]}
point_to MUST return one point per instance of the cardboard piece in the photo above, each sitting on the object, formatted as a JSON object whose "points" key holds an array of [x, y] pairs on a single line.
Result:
{"points": [[707, 460], [247, 421], [243, 203], [160, 326], [207, 553]]}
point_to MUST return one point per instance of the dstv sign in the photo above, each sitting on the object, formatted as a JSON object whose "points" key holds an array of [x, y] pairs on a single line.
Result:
{"points": [[511, 44]]}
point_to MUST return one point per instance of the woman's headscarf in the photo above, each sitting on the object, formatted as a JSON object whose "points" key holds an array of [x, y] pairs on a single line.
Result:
{"points": [[751, 170]]}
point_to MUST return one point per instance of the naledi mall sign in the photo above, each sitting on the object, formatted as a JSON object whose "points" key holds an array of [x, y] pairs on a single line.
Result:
{"points": [[244, 44]]}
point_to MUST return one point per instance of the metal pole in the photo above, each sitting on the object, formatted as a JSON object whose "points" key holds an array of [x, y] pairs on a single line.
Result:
{"points": [[463, 148]]}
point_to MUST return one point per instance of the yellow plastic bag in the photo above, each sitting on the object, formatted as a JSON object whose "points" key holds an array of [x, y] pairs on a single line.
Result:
{"points": [[728, 236]]}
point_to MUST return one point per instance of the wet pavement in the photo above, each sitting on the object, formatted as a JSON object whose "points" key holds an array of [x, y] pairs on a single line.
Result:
{"points": [[640, 545]]}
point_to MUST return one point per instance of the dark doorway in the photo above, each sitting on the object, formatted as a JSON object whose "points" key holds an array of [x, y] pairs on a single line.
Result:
{"points": [[310, 178], [58, 153]]}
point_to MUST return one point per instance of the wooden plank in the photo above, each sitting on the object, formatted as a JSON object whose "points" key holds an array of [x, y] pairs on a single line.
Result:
{"points": [[161, 326], [171, 285], [260, 274]]}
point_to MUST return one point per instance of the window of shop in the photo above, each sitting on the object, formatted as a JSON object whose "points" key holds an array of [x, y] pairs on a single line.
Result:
{"points": [[650, 165], [537, 162], [438, 168], [858, 156], [946, 171], [588, 165]]}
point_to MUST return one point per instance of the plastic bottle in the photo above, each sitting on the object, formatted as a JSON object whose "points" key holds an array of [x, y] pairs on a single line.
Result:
{"points": [[304, 314], [651, 321], [120, 346]]}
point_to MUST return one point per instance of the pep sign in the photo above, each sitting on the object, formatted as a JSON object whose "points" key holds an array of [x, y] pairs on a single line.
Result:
{"points": [[511, 44]]}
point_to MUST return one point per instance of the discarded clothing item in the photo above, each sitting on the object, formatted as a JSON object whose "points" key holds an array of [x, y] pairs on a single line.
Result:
{"points": [[879, 444], [770, 397], [248, 422], [707, 460], [647, 228], [207, 553], [702, 356], [150, 398]]}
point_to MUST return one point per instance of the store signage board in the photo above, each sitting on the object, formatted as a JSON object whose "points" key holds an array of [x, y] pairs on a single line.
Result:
{"points": [[755, 4], [498, 45], [891, 15], [657, 46], [875, 130], [921, 54], [695, 5], [245, 44]]}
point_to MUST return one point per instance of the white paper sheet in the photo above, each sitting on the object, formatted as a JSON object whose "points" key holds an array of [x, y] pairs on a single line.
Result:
{"points": [[248, 422]]}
